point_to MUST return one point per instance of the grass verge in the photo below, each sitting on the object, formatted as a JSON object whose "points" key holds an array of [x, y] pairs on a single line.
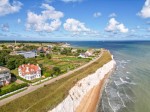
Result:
{"points": [[49, 96]]}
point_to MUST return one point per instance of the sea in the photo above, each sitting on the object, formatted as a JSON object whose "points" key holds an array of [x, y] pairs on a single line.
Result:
{"points": [[128, 88]]}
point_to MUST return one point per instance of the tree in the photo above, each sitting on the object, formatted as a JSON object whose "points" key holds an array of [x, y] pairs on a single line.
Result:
{"points": [[56, 70], [48, 56], [42, 55], [11, 64]]}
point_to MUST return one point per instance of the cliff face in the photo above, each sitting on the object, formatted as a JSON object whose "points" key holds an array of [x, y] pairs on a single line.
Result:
{"points": [[76, 94]]}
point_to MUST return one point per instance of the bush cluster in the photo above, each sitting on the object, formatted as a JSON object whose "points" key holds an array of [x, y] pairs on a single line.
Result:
{"points": [[14, 87]]}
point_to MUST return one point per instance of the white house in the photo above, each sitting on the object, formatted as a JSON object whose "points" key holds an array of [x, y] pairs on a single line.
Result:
{"points": [[29, 71], [5, 76]]}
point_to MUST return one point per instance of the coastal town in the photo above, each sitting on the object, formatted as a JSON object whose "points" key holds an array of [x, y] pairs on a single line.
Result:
{"points": [[28, 64]]}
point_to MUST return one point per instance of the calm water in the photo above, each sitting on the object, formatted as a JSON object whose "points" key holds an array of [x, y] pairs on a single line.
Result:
{"points": [[128, 88]]}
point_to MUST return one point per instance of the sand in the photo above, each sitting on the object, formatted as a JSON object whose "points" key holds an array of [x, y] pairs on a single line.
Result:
{"points": [[91, 99]]}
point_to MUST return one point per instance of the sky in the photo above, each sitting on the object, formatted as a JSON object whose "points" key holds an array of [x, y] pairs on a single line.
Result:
{"points": [[58, 20]]}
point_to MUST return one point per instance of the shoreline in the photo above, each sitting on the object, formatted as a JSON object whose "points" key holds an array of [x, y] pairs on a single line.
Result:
{"points": [[92, 98]]}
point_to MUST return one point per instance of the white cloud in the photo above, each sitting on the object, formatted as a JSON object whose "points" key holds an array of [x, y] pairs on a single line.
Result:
{"points": [[7, 8], [74, 25], [148, 29], [116, 26], [97, 14], [19, 20], [145, 12], [48, 20], [5, 27], [71, 1], [113, 15], [78, 28]]}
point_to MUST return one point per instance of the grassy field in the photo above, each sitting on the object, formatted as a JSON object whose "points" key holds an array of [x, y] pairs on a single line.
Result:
{"points": [[65, 63], [51, 95]]}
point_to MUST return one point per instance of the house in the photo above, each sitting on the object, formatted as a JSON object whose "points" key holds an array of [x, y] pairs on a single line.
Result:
{"points": [[74, 50], [89, 52], [46, 50], [27, 54], [82, 55], [5, 76], [29, 71], [65, 45]]}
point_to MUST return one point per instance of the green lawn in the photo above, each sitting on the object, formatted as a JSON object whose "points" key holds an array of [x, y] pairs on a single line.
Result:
{"points": [[51, 95], [8, 86]]}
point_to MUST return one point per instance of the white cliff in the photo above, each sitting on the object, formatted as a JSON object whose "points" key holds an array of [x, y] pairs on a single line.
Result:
{"points": [[72, 101]]}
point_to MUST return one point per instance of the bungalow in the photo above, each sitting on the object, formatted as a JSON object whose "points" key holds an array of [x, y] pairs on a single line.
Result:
{"points": [[5, 76], [29, 71]]}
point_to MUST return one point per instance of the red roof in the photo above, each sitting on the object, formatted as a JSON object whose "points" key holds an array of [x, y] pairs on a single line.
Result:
{"points": [[29, 69]]}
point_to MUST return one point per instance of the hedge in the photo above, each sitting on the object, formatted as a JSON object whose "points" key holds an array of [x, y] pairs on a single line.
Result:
{"points": [[14, 87]]}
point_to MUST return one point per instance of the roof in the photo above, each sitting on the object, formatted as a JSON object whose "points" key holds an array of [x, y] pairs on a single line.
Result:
{"points": [[29, 69], [4, 69]]}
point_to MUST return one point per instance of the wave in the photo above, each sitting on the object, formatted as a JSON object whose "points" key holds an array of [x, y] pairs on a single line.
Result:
{"points": [[121, 99], [124, 81]]}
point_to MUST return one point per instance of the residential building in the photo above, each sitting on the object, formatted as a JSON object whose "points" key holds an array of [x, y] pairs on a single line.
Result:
{"points": [[29, 71], [27, 54], [5, 76]]}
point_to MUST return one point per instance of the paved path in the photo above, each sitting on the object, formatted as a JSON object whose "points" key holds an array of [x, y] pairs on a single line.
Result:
{"points": [[33, 88]]}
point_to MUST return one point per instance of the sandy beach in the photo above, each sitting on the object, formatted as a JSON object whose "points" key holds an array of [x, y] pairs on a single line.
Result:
{"points": [[91, 99]]}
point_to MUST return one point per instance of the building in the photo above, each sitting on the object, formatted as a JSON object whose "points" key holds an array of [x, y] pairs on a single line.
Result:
{"points": [[5, 76], [74, 50], [46, 50], [89, 52], [29, 71], [27, 54], [82, 55]]}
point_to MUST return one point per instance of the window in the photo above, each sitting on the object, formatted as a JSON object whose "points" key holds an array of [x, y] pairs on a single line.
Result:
{"points": [[7, 77]]}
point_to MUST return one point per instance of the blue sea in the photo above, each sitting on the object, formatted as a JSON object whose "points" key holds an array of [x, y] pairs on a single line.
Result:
{"points": [[128, 88]]}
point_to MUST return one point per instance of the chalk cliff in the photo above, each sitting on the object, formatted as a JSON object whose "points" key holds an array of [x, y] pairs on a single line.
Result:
{"points": [[72, 101]]}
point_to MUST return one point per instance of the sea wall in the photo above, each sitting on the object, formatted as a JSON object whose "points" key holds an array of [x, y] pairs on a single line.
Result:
{"points": [[76, 94]]}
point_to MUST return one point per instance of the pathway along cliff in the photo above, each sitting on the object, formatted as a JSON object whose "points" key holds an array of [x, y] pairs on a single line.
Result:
{"points": [[55, 93]]}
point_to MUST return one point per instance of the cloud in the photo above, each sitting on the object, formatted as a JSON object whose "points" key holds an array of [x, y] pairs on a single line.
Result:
{"points": [[148, 29], [7, 8], [48, 20], [112, 15], [78, 28], [145, 12], [114, 25], [97, 14], [74, 25], [19, 20], [5, 27], [71, 1]]}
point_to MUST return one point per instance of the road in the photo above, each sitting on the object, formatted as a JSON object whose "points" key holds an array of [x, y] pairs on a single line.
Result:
{"points": [[33, 88]]}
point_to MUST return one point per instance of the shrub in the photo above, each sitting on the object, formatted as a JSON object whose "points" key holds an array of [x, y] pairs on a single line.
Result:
{"points": [[14, 87]]}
